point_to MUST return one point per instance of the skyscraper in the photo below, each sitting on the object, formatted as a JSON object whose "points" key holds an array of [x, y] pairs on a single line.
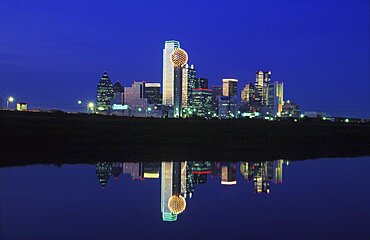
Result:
{"points": [[188, 83], [152, 92], [118, 91], [134, 95], [216, 92], [263, 80], [227, 107], [275, 98], [104, 93], [248, 93], [201, 83], [168, 72], [201, 102], [229, 87]]}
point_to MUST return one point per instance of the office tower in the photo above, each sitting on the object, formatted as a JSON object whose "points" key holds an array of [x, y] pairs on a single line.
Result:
{"points": [[118, 92], [104, 93], [290, 109], [134, 95], [117, 169], [248, 93], [201, 102], [201, 83], [103, 172], [228, 174], [188, 83], [1, 103], [227, 107], [216, 92], [168, 72], [263, 80], [178, 58], [152, 92], [230, 87], [275, 98]]}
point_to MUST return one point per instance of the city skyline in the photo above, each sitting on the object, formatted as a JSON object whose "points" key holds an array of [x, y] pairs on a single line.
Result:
{"points": [[304, 54]]}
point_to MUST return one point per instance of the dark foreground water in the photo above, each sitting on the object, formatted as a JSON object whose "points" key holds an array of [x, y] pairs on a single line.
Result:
{"points": [[312, 199]]}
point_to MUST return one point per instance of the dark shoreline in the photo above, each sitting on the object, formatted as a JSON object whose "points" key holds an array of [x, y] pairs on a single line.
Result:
{"points": [[57, 138]]}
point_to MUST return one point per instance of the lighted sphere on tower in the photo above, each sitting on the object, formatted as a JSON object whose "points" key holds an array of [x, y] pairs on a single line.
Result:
{"points": [[179, 57], [177, 204]]}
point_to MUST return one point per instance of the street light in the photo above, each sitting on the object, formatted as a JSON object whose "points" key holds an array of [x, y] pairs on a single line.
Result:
{"points": [[9, 101], [90, 106]]}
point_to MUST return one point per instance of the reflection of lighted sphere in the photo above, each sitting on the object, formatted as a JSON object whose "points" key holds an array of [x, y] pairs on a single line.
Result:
{"points": [[179, 57], [177, 204]]}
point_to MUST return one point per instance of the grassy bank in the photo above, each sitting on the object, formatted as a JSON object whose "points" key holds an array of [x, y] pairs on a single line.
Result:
{"points": [[58, 137]]}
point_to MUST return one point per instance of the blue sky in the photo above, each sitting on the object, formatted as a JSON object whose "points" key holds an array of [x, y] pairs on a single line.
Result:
{"points": [[52, 53]]}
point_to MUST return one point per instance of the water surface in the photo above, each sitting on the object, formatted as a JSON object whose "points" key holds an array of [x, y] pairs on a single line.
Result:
{"points": [[312, 199]]}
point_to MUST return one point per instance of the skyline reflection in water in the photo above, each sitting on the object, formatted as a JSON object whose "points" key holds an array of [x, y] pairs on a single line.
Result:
{"points": [[180, 179], [311, 199]]}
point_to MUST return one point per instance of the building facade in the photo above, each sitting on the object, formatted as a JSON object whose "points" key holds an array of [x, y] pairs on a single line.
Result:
{"points": [[275, 98], [168, 72], [230, 87], [263, 80], [227, 107], [152, 92], [104, 93], [201, 102]]}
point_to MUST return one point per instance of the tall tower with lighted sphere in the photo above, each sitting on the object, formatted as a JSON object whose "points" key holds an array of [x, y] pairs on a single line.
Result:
{"points": [[178, 58]]}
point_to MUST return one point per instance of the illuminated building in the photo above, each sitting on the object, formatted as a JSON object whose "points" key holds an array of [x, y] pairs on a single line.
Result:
{"points": [[216, 92], [227, 107], [201, 83], [230, 87], [290, 109], [201, 102], [168, 73], [103, 172], [104, 94], [248, 93], [263, 80], [276, 98], [21, 106], [178, 58], [152, 92], [228, 174], [1, 103], [188, 83]]}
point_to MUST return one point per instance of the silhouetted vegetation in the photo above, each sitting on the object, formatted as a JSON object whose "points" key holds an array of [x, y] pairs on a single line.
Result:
{"points": [[28, 137]]}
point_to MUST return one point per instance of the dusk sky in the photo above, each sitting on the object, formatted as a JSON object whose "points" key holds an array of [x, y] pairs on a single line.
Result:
{"points": [[53, 53]]}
